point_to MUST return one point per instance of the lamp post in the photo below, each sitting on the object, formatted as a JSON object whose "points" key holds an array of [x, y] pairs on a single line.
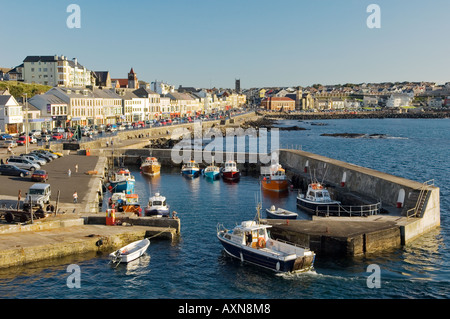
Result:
{"points": [[26, 123]]}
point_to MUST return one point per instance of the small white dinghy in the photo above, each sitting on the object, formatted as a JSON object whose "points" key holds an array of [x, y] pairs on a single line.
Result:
{"points": [[130, 252]]}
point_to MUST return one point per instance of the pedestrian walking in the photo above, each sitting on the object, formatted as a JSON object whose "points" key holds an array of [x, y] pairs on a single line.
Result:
{"points": [[69, 172], [76, 168], [75, 197]]}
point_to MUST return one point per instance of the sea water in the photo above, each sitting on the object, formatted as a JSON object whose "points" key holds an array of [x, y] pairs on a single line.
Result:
{"points": [[196, 267]]}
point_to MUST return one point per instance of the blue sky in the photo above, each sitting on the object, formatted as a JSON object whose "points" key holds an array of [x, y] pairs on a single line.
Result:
{"points": [[205, 43]]}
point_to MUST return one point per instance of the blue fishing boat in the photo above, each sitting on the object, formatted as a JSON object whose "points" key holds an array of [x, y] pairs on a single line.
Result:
{"points": [[190, 169], [251, 243], [212, 171], [122, 181]]}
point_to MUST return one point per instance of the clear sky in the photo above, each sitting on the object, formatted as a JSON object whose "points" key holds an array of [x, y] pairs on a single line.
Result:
{"points": [[210, 43]]}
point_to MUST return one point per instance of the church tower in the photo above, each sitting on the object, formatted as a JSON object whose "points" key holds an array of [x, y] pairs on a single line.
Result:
{"points": [[132, 80]]}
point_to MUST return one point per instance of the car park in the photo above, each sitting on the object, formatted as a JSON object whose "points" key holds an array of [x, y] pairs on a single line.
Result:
{"points": [[39, 176], [23, 163], [13, 170]]}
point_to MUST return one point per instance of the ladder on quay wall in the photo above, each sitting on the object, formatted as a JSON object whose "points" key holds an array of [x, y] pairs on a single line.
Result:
{"points": [[417, 210]]}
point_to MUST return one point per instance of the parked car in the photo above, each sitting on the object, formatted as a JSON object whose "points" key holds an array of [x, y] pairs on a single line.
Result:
{"points": [[48, 158], [57, 136], [39, 176], [35, 133], [46, 137], [23, 163], [9, 143], [22, 140], [6, 136], [58, 154], [13, 170], [34, 158], [46, 152]]}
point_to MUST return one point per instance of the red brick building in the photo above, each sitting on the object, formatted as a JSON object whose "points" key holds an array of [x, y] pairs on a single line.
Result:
{"points": [[278, 104]]}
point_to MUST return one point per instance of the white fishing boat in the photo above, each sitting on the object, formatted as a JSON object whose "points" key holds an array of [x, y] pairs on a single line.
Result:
{"points": [[317, 197], [280, 213], [157, 206], [251, 243], [130, 252]]}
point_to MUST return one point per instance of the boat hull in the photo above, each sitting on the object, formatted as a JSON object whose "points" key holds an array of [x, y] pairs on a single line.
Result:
{"points": [[156, 212], [251, 255], [313, 207], [130, 252], [231, 176], [212, 175], [151, 170], [275, 185], [190, 173], [275, 215], [122, 186]]}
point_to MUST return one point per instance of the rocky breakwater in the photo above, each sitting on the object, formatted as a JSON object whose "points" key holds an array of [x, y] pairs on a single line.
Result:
{"points": [[355, 135]]}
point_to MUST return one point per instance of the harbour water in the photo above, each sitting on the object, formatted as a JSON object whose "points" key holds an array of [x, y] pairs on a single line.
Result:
{"points": [[195, 266]]}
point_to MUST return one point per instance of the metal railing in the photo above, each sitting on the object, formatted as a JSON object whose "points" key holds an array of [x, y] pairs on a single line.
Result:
{"points": [[417, 209], [347, 210]]}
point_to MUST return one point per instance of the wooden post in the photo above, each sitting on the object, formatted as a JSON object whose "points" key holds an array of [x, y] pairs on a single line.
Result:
{"points": [[57, 201]]}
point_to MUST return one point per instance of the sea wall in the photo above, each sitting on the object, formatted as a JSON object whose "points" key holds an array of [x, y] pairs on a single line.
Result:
{"points": [[396, 194]]}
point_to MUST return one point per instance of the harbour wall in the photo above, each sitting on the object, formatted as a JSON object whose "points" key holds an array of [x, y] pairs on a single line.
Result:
{"points": [[397, 195]]}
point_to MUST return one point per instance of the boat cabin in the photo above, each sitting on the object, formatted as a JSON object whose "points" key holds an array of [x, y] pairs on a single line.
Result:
{"points": [[230, 166], [317, 193], [157, 200], [250, 233], [275, 172]]}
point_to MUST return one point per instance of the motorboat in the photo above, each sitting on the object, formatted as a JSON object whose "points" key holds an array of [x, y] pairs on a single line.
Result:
{"points": [[250, 243], [122, 181], [157, 206], [130, 252], [316, 198], [150, 166], [280, 213], [126, 203], [230, 172], [273, 178], [212, 171], [190, 169]]}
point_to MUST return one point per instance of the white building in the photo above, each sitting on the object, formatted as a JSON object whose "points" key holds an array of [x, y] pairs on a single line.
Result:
{"points": [[56, 70], [11, 115], [53, 110], [89, 107], [399, 100], [162, 88]]}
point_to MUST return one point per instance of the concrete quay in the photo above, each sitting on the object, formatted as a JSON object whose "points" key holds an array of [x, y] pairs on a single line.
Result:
{"points": [[57, 237], [75, 228]]}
